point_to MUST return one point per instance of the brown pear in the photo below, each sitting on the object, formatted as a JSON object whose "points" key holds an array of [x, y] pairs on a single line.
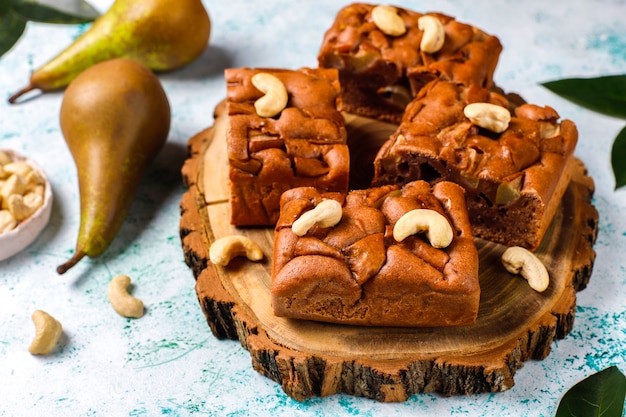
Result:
{"points": [[115, 117]]}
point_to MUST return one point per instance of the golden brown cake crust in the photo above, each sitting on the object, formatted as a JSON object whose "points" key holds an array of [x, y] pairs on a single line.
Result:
{"points": [[380, 74], [305, 145], [514, 181], [357, 273]]}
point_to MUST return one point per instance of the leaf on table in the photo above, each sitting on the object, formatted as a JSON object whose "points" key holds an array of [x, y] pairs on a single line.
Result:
{"points": [[11, 28], [15, 14], [601, 394], [606, 94], [618, 156], [56, 11]]}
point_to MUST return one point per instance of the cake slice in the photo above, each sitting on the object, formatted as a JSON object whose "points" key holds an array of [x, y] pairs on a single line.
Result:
{"points": [[392, 257], [300, 143], [381, 70], [514, 175]]}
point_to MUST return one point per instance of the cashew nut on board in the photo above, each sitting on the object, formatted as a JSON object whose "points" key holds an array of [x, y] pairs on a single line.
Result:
{"points": [[122, 302], [518, 260], [275, 98], [436, 227], [224, 249], [48, 331], [326, 214]]}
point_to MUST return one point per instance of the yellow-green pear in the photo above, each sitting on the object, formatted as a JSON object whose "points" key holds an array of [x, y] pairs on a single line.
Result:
{"points": [[161, 34], [115, 118]]}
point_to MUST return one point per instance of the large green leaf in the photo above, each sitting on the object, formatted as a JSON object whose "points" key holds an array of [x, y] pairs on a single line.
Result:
{"points": [[57, 11], [606, 94], [11, 28], [14, 15], [599, 395], [618, 159]]}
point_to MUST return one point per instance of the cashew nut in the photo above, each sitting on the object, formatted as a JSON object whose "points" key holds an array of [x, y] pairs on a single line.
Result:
{"points": [[396, 94], [33, 178], [7, 221], [387, 19], [5, 158], [48, 331], [275, 98], [18, 167], [21, 191], [434, 34], [437, 228], [326, 214], [39, 190], [224, 249], [14, 185], [22, 207], [489, 116], [122, 302], [518, 260]]}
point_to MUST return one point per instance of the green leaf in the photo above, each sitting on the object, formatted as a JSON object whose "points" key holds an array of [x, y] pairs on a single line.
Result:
{"points": [[618, 156], [14, 15], [606, 94], [57, 11], [601, 394], [11, 29]]}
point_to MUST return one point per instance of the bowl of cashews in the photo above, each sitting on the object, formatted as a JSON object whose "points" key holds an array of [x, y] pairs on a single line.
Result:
{"points": [[25, 202]]}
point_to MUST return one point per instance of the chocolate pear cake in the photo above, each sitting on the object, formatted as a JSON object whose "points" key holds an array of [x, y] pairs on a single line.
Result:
{"points": [[514, 177], [386, 55], [303, 143], [390, 256]]}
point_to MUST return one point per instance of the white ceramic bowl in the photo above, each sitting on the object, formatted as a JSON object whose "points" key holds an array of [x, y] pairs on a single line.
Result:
{"points": [[26, 232]]}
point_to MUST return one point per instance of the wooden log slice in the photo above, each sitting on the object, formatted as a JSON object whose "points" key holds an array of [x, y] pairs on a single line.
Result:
{"points": [[308, 358]]}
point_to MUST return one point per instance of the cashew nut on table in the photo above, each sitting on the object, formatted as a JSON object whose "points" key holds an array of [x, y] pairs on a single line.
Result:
{"points": [[123, 303], [48, 331]]}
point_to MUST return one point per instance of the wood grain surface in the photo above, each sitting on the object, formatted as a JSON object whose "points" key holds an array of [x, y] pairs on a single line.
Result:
{"points": [[514, 324]]}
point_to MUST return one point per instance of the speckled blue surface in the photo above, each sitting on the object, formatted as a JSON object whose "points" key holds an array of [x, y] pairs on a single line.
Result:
{"points": [[168, 363]]}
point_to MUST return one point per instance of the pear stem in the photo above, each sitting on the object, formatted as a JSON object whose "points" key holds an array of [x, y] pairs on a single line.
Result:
{"points": [[61, 269], [20, 93]]}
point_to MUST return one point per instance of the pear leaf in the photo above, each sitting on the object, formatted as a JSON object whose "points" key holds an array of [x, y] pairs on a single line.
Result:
{"points": [[15, 14], [56, 11], [618, 155], [606, 94], [601, 394], [11, 28]]}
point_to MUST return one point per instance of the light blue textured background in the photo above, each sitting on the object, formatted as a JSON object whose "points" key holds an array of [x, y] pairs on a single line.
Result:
{"points": [[168, 363]]}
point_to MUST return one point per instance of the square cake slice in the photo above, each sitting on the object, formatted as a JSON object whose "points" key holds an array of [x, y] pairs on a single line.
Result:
{"points": [[302, 144], [387, 256], [514, 174], [381, 70]]}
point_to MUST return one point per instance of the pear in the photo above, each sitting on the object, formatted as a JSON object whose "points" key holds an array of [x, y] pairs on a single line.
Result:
{"points": [[115, 118], [161, 34]]}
